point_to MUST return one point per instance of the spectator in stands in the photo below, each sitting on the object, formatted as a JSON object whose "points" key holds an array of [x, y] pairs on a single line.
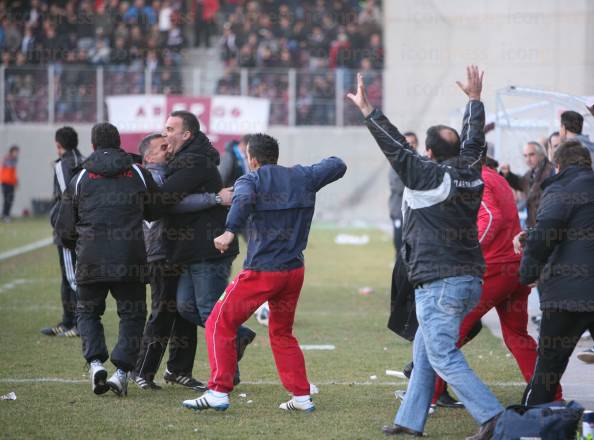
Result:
{"points": [[539, 169], [558, 253], [9, 180], [553, 142]]}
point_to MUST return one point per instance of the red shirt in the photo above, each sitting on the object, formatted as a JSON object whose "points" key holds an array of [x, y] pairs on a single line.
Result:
{"points": [[498, 222]]}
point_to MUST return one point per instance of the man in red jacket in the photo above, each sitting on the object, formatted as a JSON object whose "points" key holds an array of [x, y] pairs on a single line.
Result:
{"points": [[498, 224]]}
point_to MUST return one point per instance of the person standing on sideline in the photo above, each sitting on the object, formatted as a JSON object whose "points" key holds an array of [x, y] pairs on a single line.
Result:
{"points": [[539, 169], [442, 253], [68, 163], [396, 191], [9, 180], [192, 169], [559, 256], [234, 161], [571, 127], [277, 229], [102, 213], [165, 326]]}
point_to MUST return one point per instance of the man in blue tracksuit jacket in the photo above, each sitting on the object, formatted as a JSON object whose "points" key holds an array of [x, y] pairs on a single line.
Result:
{"points": [[274, 205]]}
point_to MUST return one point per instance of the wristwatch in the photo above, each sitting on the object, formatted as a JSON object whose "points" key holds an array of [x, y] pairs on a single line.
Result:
{"points": [[218, 199]]}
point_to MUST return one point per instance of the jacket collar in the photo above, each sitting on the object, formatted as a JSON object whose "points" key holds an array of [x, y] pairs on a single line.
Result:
{"points": [[568, 173]]}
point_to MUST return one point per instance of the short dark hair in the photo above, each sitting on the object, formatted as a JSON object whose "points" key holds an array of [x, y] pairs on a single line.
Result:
{"points": [[441, 148], [67, 138], [146, 142], [572, 152], [572, 121], [105, 135], [13, 148], [189, 121], [263, 148], [410, 133]]}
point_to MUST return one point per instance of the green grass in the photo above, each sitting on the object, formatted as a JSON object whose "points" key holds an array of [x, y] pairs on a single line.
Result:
{"points": [[23, 231], [331, 311]]}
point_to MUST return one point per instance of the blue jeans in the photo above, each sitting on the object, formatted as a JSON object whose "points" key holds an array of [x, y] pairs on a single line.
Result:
{"points": [[199, 288], [441, 306]]}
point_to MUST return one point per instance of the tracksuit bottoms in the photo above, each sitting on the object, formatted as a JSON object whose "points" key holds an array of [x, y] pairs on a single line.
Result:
{"points": [[242, 297]]}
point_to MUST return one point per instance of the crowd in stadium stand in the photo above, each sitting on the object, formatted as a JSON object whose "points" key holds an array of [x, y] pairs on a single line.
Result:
{"points": [[126, 37], [312, 36]]}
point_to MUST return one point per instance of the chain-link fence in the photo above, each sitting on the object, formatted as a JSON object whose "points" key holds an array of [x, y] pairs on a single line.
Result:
{"points": [[72, 93]]}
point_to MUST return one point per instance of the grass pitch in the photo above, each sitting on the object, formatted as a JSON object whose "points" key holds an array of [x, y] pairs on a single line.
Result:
{"points": [[54, 399]]}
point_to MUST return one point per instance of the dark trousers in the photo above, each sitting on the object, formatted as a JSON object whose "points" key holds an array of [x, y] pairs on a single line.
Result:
{"points": [[166, 326], [68, 288], [131, 305], [560, 331], [8, 196]]}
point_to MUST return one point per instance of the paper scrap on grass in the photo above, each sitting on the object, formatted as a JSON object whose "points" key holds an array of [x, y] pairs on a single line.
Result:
{"points": [[9, 396], [395, 373], [318, 347], [353, 240], [313, 389]]}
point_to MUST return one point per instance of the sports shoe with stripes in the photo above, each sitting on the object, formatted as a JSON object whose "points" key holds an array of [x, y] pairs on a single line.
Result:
{"points": [[293, 405], [186, 381], [53, 331], [144, 384], [70, 333], [98, 375], [207, 401]]}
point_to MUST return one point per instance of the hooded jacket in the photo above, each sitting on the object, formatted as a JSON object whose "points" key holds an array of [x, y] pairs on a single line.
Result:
{"points": [[102, 212], [559, 250], [189, 237], [441, 200]]}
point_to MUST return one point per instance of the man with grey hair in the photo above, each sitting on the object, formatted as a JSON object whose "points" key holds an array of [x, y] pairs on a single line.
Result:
{"points": [[539, 169], [165, 325]]}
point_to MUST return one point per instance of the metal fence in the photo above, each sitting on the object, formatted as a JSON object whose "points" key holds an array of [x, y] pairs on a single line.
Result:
{"points": [[76, 94]]}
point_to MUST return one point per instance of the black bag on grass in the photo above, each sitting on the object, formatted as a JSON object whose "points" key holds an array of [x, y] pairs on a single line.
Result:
{"points": [[551, 421]]}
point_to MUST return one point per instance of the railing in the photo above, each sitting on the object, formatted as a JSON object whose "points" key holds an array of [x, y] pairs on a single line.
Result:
{"points": [[76, 94]]}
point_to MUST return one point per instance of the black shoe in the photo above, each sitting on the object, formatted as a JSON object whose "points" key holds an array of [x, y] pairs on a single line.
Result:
{"points": [[486, 430], [400, 430], [244, 341], [186, 381], [447, 401], [144, 384], [407, 370], [69, 333], [54, 331]]}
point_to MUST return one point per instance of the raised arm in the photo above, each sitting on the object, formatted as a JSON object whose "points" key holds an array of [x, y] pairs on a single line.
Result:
{"points": [[415, 172], [472, 137]]}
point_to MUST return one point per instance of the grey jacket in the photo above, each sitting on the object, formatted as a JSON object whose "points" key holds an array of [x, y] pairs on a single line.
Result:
{"points": [[153, 231]]}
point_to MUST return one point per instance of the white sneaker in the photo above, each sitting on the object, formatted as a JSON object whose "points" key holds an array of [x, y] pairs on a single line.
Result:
{"points": [[207, 401], [294, 405], [118, 383], [98, 374], [263, 314]]}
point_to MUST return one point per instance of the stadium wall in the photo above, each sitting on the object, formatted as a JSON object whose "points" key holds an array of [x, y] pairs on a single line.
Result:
{"points": [[360, 197], [544, 44]]}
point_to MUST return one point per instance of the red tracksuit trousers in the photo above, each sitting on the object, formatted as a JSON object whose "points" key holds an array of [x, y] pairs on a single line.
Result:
{"points": [[243, 296], [502, 290]]}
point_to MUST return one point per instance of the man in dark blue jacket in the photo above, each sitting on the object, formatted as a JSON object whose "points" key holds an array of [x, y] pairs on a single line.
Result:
{"points": [[274, 205], [559, 253]]}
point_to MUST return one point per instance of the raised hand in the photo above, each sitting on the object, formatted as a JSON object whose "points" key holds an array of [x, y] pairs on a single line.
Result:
{"points": [[360, 98], [474, 83]]}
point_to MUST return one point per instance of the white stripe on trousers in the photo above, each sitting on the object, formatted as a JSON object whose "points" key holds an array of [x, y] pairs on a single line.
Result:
{"points": [[69, 268]]}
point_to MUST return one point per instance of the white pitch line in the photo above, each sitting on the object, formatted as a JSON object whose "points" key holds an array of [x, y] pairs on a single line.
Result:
{"points": [[262, 382], [26, 248]]}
